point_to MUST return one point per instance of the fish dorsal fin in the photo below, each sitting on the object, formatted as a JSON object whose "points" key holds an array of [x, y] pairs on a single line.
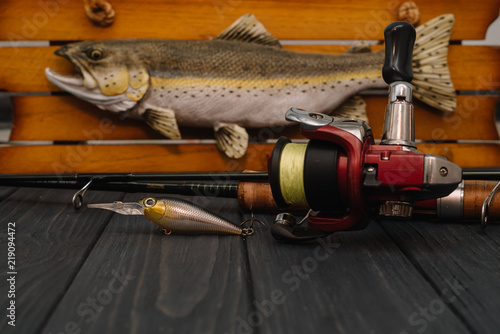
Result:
{"points": [[249, 30]]}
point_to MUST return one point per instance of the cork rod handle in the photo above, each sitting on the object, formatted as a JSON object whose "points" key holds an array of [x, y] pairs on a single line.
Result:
{"points": [[475, 192], [259, 195]]}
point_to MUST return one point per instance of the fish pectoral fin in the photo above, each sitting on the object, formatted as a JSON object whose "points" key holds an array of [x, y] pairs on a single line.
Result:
{"points": [[354, 107], [360, 47], [231, 139], [249, 30], [163, 121]]}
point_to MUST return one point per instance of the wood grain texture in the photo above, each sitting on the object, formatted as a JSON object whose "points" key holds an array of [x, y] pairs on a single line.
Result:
{"points": [[471, 67], [6, 192], [346, 283], [52, 242], [186, 158], [42, 20], [461, 263], [419, 277], [173, 284]]}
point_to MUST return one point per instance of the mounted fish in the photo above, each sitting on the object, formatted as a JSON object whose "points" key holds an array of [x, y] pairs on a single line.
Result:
{"points": [[242, 79], [176, 215]]}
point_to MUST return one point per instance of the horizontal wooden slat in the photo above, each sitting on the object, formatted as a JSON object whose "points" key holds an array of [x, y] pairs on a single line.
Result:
{"points": [[317, 19], [22, 69], [185, 158], [137, 158], [68, 118], [465, 155]]}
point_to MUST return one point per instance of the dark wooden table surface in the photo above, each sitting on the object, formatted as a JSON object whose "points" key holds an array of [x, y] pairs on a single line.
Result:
{"points": [[93, 271]]}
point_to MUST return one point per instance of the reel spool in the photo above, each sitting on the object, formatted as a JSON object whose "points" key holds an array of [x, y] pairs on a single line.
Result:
{"points": [[312, 174]]}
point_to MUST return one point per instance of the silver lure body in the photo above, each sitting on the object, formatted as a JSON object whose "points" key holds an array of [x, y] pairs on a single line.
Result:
{"points": [[177, 215]]}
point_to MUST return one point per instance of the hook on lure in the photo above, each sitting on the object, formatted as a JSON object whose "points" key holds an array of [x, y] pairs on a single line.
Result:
{"points": [[250, 221], [177, 215]]}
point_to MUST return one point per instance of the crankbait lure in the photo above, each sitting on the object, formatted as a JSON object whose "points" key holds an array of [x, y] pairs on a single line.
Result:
{"points": [[176, 215]]}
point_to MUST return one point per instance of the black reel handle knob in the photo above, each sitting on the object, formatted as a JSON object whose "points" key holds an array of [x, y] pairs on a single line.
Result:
{"points": [[399, 41]]}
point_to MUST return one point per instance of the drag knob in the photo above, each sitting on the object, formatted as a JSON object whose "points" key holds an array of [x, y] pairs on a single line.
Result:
{"points": [[399, 41]]}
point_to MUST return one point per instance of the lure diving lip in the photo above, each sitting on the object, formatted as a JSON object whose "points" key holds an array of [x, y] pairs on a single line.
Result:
{"points": [[131, 208], [176, 215]]}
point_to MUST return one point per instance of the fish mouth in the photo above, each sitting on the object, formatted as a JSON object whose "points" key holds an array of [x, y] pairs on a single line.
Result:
{"points": [[79, 87]]}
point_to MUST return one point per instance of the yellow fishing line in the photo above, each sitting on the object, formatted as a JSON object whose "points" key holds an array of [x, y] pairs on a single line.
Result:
{"points": [[292, 173]]}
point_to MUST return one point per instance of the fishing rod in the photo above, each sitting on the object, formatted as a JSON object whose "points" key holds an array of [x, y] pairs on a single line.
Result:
{"points": [[254, 193], [470, 173]]}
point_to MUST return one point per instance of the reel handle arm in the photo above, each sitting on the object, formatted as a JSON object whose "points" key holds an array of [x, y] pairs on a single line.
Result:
{"points": [[399, 128]]}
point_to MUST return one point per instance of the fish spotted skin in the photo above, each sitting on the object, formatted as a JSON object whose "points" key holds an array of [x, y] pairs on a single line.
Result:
{"points": [[241, 79], [253, 86]]}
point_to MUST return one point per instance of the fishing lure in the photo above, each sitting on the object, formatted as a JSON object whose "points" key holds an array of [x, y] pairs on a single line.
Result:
{"points": [[177, 215]]}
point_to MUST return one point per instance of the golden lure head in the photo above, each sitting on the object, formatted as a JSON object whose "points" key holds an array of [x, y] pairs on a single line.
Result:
{"points": [[153, 209], [112, 73]]}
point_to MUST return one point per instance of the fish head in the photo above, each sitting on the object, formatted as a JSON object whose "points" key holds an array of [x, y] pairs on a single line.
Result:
{"points": [[111, 74], [153, 209]]}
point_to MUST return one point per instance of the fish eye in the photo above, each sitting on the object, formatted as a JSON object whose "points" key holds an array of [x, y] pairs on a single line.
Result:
{"points": [[94, 54], [149, 202]]}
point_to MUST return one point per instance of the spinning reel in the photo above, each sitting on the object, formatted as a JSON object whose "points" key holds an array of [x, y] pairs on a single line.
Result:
{"points": [[343, 176]]}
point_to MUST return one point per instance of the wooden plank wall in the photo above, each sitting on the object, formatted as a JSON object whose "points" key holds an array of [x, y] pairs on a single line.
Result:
{"points": [[43, 113]]}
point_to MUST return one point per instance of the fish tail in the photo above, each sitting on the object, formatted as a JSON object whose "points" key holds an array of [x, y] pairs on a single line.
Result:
{"points": [[431, 76]]}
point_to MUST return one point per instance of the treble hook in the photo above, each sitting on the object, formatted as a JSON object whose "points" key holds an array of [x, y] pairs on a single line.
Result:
{"points": [[486, 206], [78, 196], [249, 230]]}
